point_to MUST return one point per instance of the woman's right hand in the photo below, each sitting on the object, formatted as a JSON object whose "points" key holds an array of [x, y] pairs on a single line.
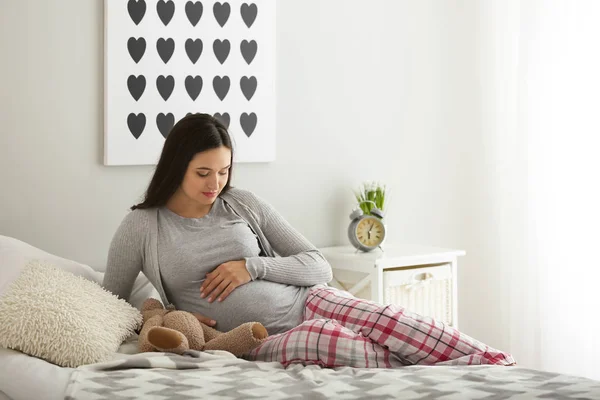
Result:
{"points": [[204, 320]]}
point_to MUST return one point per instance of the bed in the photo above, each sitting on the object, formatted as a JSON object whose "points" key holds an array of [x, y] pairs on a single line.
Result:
{"points": [[219, 375]]}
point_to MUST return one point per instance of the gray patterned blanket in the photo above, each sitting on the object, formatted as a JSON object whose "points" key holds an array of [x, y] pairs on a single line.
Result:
{"points": [[219, 375]]}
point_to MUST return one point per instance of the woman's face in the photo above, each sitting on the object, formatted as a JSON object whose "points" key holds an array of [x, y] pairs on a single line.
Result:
{"points": [[206, 175]]}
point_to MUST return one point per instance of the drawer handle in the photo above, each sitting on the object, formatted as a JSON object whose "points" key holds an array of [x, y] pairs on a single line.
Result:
{"points": [[420, 280]]}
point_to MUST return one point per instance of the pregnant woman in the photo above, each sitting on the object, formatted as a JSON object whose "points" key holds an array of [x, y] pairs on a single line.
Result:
{"points": [[227, 256]]}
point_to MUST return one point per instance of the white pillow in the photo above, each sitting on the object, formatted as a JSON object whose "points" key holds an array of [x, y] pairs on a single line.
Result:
{"points": [[14, 255], [65, 319], [142, 290]]}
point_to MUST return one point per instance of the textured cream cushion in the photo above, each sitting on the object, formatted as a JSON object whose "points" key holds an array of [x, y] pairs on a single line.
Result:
{"points": [[65, 319]]}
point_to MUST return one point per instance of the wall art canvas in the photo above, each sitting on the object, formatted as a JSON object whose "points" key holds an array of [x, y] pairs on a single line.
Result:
{"points": [[165, 59]]}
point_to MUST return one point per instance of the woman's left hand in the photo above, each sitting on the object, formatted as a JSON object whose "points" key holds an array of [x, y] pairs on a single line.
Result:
{"points": [[224, 279]]}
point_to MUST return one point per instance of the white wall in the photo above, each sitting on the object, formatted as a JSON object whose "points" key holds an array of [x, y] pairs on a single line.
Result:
{"points": [[382, 90], [537, 196]]}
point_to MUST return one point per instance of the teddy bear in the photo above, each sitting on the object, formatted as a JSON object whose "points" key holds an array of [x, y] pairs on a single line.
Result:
{"points": [[172, 331]]}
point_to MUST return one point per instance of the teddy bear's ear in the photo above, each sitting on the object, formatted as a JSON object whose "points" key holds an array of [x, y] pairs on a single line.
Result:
{"points": [[151, 304]]}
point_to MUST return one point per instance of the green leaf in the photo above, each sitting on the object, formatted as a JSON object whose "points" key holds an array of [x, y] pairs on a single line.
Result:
{"points": [[370, 194]]}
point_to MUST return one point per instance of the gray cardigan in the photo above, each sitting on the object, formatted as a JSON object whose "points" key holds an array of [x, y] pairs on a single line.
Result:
{"points": [[288, 257]]}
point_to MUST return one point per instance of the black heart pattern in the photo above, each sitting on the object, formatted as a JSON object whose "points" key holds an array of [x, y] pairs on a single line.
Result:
{"points": [[136, 86], [224, 118], [221, 49], [248, 123], [136, 9], [221, 86], [221, 12], [165, 48], [249, 13], [136, 48], [165, 122], [248, 49], [248, 86], [193, 10], [193, 86], [193, 48], [165, 85], [165, 10], [136, 124]]}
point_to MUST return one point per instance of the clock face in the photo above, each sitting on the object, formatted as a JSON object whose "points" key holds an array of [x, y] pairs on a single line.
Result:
{"points": [[370, 231]]}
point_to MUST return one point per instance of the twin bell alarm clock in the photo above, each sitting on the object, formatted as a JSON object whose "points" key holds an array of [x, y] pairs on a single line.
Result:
{"points": [[366, 232]]}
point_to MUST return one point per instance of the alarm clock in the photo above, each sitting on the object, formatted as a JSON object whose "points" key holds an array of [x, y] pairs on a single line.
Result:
{"points": [[366, 232]]}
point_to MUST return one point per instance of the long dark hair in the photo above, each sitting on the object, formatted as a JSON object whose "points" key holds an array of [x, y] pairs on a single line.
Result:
{"points": [[193, 134]]}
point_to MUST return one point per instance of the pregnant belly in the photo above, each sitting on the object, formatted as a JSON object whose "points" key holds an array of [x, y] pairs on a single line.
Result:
{"points": [[257, 301]]}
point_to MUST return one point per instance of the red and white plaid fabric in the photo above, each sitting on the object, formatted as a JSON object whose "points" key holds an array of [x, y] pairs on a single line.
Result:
{"points": [[342, 330]]}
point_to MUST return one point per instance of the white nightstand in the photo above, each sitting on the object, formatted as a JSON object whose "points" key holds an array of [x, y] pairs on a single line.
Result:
{"points": [[422, 277]]}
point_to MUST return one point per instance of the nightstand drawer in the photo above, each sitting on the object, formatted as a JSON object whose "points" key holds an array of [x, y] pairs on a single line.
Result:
{"points": [[425, 290], [422, 279]]}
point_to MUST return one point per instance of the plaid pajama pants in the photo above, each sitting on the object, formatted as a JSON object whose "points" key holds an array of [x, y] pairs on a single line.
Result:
{"points": [[342, 330]]}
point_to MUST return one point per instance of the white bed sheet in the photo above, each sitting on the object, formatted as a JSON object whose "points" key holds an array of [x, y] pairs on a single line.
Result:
{"points": [[4, 396], [23, 377]]}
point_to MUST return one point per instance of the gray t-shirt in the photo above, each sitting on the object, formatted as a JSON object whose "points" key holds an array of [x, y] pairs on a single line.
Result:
{"points": [[189, 248]]}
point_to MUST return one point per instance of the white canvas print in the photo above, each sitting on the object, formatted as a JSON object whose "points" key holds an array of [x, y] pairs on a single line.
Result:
{"points": [[165, 59]]}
